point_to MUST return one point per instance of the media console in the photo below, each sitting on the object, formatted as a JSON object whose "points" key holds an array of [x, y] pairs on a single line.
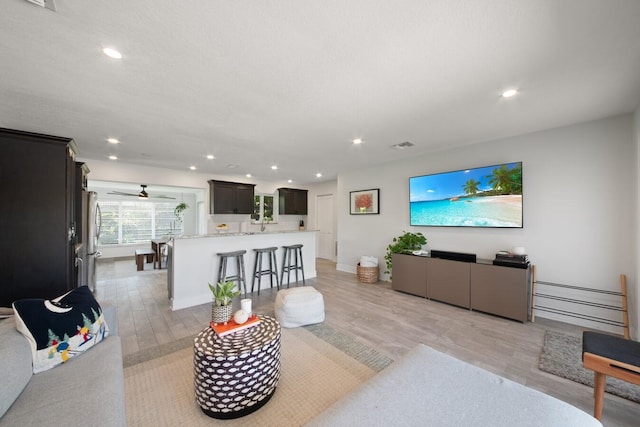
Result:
{"points": [[476, 285]]}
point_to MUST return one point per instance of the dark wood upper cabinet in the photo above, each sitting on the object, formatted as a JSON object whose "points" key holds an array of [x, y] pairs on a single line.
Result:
{"points": [[292, 201], [38, 217], [230, 197]]}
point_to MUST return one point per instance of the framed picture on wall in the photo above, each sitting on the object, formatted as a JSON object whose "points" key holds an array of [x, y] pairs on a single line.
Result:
{"points": [[364, 202]]}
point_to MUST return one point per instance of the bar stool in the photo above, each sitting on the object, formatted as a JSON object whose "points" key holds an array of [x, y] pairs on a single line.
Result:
{"points": [[272, 271], [292, 260], [239, 277]]}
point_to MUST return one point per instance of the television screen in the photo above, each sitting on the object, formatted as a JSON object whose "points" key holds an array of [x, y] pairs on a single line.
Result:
{"points": [[489, 196]]}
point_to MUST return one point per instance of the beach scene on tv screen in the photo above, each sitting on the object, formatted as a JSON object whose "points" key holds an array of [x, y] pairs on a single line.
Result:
{"points": [[482, 197]]}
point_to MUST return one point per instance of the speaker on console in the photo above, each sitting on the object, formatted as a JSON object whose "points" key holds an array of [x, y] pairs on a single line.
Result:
{"points": [[453, 256]]}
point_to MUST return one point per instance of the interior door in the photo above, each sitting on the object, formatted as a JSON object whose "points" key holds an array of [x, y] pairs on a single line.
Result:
{"points": [[325, 223]]}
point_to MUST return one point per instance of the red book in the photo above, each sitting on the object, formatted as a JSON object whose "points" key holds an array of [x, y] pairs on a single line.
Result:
{"points": [[231, 326]]}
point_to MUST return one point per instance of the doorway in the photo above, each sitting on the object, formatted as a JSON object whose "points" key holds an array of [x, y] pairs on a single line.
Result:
{"points": [[325, 221]]}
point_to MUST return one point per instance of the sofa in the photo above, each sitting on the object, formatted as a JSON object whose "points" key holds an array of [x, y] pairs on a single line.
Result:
{"points": [[427, 387], [86, 390]]}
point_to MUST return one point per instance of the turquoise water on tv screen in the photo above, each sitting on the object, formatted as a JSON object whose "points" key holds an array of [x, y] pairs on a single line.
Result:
{"points": [[490, 211]]}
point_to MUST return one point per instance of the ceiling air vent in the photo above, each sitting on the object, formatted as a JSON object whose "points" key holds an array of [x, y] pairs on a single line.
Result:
{"points": [[49, 4], [402, 145]]}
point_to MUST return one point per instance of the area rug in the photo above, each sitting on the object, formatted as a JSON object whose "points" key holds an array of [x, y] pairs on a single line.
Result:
{"points": [[562, 356], [314, 374]]}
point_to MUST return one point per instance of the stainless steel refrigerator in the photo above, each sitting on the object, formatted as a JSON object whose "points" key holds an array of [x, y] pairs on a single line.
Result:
{"points": [[93, 223]]}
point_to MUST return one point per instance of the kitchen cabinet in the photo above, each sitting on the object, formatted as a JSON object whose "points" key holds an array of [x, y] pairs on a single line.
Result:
{"points": [[230, 197], [292, 201], [80, 185], [38, 245]]}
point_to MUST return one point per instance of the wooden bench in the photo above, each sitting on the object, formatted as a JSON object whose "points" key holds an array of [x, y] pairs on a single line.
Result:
{"points": [[140, 254], [608, 355]]}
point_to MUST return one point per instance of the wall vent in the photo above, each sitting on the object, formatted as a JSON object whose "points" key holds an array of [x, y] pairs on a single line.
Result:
{"points": [[402, 145], [49, 4]]}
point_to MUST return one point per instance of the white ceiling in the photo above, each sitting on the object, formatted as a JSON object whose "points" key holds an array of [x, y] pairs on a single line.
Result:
{"points": [[291, 82]]}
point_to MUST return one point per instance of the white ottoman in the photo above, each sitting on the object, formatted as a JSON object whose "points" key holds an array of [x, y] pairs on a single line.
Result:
{"points": [[299, 306]]}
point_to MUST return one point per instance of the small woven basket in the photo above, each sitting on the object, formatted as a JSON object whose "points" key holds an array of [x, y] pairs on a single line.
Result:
{"points": [[367, 274]]}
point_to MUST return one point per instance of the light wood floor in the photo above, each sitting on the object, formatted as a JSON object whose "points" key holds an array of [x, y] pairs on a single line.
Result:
{"points": [[375, 315]]}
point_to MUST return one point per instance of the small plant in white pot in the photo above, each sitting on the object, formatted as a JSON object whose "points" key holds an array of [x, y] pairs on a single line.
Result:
{"points": [[223, 294]]}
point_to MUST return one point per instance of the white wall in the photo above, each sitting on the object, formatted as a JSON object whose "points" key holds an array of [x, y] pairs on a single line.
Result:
{"points": [[579, 191]]}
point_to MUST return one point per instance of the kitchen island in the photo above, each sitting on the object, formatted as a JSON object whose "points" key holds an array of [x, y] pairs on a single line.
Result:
{"points": [[192, 262]]}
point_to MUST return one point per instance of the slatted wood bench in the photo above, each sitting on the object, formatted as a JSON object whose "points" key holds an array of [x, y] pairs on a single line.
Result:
{"points": [[141, 254]]}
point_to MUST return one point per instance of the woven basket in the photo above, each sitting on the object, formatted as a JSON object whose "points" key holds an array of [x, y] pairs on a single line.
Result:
{"points": [[367, 274], [220, 313]]}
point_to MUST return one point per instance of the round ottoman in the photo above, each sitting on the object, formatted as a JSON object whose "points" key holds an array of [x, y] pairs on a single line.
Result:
{"points": [[236, 374]]}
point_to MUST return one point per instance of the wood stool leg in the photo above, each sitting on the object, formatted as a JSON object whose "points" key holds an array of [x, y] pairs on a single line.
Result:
{"points": [[242, 275], [259, 272], [255, 272], [222, 267], [600, 380], [140, 262], [301, 266], [273, 265]]}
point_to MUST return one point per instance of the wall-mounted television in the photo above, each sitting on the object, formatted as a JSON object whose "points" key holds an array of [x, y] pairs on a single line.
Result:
{"points": [[489, 196]]}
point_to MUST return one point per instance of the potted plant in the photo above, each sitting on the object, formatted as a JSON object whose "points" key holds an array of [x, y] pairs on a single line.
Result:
{"points": [[223, 294], [404, 244], [177, 211]]}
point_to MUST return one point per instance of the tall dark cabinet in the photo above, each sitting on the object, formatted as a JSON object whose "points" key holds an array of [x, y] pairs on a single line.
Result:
{"points": [[38, 217]]}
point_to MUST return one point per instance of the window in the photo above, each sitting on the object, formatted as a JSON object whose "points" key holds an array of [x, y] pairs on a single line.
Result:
{"points": [[136, 221], [263, 205]]}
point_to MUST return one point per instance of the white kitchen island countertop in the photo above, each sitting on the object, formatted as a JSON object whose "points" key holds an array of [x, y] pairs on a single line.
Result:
{"points": [[193, 262]]}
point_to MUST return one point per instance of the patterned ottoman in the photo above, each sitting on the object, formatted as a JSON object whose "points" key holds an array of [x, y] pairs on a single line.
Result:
{"points": [[237, 374]]}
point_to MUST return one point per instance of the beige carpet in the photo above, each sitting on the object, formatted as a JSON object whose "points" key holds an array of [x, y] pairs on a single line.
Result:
{"points": [[313, 375]]}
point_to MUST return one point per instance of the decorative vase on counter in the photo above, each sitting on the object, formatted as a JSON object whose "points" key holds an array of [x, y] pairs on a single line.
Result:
{"points": [[220, 313]]}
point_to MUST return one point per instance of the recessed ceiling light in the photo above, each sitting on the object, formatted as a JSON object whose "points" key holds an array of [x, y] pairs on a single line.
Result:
{"points": [[113, 157], [113, 141], [248, 175], [318, 175], [192, 167], [509, 93], [289, 181], [112, 53], [210, 156], [357, 141], [274, 167]]}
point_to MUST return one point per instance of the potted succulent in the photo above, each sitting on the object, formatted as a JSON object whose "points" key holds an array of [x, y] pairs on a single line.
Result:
{"points": [[223, 294], [404, 244]]}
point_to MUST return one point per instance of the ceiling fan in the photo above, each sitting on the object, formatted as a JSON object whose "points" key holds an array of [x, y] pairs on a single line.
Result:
{"points": [[142, 194]]}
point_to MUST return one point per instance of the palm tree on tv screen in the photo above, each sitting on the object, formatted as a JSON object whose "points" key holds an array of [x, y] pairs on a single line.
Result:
{"points": [[471, 186]]}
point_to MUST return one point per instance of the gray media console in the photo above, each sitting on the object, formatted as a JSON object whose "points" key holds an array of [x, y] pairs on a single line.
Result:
{"points": [[480, 285]]}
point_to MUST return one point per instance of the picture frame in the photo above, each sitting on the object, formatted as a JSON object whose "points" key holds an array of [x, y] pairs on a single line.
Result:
{"points": [[364, 202]]}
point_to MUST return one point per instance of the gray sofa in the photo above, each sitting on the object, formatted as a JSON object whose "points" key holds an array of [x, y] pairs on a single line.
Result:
{"points": [[86, 390], [429, 388]]}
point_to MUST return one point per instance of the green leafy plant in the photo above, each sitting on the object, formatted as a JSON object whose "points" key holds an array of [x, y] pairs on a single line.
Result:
{"points": [[223, 292], [404, 244], [177, 211]]}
